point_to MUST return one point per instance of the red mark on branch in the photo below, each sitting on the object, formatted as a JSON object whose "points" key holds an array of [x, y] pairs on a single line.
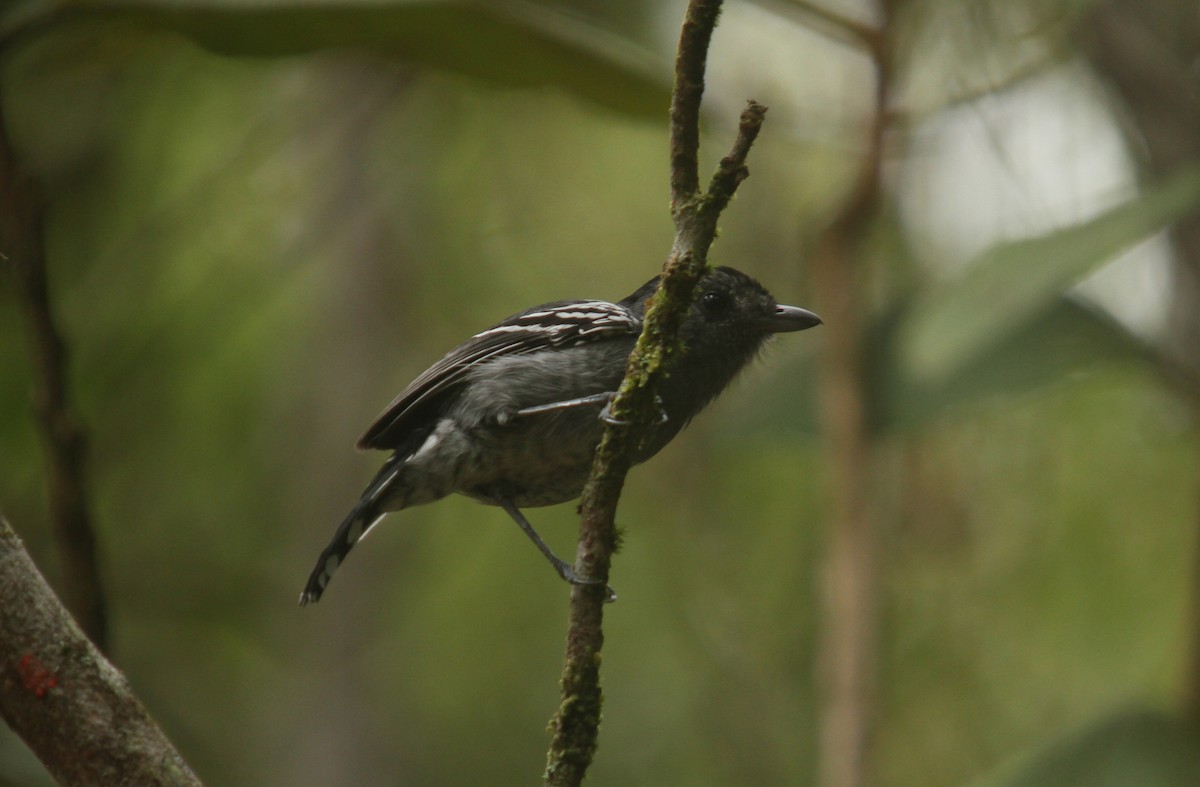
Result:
{"points": [[34, 675]]}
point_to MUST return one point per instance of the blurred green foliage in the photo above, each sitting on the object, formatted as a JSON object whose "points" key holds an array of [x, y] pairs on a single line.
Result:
{"points": [[251, 255]]}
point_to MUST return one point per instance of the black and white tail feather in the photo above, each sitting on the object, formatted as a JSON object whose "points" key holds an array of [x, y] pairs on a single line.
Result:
{"points": [[361, 519]]}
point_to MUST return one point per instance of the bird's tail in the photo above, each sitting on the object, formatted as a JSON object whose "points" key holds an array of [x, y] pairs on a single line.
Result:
{"points": [[353, 527], [358, 522]]}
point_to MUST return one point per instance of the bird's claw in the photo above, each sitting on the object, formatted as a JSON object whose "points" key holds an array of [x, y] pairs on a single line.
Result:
{"points": [[607, 417], [568, 574]]}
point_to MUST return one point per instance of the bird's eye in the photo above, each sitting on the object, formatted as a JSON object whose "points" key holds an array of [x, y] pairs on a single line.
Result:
{"points": [[714, 304]]}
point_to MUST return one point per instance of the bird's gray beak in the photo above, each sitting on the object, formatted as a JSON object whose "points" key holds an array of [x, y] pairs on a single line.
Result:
{"points": [[792, 318]]}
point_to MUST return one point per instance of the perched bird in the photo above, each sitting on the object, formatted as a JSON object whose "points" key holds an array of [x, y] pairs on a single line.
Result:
{"points": [[513, 415]]}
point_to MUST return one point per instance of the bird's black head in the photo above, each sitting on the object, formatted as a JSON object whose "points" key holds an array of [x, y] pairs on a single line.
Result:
{"points": [[731, 317], [731, 307], [734, 303]]}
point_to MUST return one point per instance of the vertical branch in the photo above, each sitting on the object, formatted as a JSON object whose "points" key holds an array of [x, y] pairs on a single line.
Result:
{"points": [[848, 644], [690, 61], [22, 242], [576, 725]]}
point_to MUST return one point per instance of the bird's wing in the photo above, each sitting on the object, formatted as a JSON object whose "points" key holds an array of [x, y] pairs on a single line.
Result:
{"points": [[559, 324]]}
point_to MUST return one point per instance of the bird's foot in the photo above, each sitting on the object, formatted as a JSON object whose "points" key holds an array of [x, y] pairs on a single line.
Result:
{"points": [[567, 572], [607, 417]]}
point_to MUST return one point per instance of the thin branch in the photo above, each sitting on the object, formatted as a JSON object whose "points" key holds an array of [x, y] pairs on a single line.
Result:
{"points": [[849, 636], [831, 24], [733, 170], [73, 708], [576, 725], [690, 60], [22, 241], [1020, 75]]}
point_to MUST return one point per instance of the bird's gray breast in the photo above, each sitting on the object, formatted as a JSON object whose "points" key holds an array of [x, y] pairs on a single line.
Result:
{"points": [[543, 458]]}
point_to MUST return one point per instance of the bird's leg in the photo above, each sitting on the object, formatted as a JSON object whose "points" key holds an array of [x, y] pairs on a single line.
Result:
{"points": [[564, 569], [582, 401], [605, 413]]}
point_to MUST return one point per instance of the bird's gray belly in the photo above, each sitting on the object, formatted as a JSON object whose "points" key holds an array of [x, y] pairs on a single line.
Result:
{"points": [[537, 460]]}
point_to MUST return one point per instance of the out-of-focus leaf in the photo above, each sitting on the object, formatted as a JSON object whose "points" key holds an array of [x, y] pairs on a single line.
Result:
{"points": [[1130, 748], [501, 43], [1014, 280], [1055, 340]]}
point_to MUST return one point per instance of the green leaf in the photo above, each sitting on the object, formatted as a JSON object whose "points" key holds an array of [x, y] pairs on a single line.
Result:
{"points": [[1057, 339], [1014, 280], [1130, 748], [515, 46]]}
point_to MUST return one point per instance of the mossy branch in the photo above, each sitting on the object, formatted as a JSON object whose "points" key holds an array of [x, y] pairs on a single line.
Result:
{"points": [[576, 725]]}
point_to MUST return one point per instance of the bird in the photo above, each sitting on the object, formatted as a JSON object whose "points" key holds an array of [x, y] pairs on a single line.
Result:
{"points": [[513, 415]]}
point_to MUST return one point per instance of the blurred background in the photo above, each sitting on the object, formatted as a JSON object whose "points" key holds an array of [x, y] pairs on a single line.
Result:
{"points": [[948, 538]]}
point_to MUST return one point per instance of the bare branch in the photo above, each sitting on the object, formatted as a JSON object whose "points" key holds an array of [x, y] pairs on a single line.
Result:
{"points": [[829, 23], [73, 708], [850, 617]]}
